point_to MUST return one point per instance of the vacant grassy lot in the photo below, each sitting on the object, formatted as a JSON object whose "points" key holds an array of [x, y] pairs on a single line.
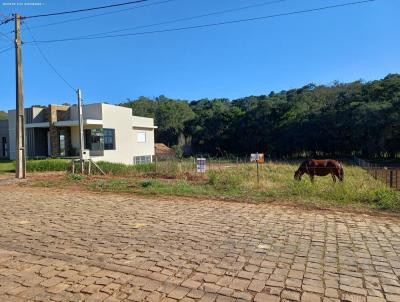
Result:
{"points": [[238, 183]]}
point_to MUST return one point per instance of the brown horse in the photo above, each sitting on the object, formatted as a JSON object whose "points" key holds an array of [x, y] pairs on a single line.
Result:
{"points": [[320, 167]]}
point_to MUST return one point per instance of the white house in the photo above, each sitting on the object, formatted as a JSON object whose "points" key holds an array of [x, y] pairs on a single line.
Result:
{"points": [[111, 133]]}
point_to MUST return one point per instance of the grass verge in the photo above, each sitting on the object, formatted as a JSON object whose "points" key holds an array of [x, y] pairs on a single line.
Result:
{"points": [[7, 166], [238, 182]]}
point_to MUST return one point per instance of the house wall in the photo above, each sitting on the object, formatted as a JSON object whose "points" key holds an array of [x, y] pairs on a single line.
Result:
{"points": [[146, 148], [91, 111], [32, 115], [120, 119]]}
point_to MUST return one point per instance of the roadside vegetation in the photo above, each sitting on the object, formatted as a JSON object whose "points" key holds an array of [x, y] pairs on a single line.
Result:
{"points": [[236, 182]]}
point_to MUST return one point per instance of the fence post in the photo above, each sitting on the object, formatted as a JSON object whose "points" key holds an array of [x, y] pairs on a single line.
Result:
{"points": [[391, 178], [386, 178]]}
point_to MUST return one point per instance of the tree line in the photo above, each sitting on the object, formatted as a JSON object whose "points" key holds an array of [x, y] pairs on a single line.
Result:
{"points": [[342, 119]]}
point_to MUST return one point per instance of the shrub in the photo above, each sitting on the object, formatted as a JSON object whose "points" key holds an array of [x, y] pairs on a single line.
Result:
{"points": [[145, 183], [75, 177]]}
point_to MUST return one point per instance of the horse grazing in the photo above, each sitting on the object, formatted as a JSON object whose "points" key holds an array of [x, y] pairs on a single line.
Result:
{"points": [[320, 167]]}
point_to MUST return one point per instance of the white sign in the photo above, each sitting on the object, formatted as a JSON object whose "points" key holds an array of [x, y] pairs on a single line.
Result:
{"points": [[257, 157], [201, 165], [254, 156]]}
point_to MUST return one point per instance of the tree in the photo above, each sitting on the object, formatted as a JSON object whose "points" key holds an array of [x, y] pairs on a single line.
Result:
{"points": [[169, 115]]}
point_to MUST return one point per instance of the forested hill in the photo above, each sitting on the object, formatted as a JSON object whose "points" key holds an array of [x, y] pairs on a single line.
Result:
{"points": [[360, 118]]}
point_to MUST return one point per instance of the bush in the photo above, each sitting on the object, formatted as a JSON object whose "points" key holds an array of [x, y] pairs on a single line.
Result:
{"points": [[75, 177], [145, 183]]}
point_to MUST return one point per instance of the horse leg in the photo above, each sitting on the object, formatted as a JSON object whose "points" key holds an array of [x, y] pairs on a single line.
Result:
{"points": [[333, 177], [312, 178]]}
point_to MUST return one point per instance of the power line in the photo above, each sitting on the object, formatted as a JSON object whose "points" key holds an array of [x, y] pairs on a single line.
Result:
{"points": [[188, 18], [6, 19], [97, 15], [47, 61], [207, 25], [84, 9]]}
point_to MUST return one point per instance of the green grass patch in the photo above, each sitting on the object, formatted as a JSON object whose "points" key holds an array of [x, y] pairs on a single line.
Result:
{"points": [[7, 166], [44, 165]]}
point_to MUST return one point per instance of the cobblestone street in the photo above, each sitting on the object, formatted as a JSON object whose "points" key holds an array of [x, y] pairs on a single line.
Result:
{"points": [[74, 246]]}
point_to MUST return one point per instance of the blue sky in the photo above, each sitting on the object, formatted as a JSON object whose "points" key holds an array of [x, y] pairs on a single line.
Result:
{"points": [[343, 44]]}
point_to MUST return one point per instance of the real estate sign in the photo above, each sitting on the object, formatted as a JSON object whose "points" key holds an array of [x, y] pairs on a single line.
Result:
{"points": [[257, 157]]}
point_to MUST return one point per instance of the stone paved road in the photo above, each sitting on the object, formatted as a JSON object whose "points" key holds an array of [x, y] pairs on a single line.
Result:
{"points": [[59, 246]]}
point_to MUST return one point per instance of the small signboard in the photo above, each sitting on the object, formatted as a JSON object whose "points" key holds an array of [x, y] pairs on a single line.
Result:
{"points": [[257, 157], [201, 165]]}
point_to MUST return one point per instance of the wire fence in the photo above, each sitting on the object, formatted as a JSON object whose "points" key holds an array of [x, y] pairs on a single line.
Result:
{"points": [[190, 164], [388, 175]]}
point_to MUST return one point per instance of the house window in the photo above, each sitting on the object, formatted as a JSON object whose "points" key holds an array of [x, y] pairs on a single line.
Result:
{"points": [[141, 137], [94, 139], [139, 160], [61, 138], [109, 139]]}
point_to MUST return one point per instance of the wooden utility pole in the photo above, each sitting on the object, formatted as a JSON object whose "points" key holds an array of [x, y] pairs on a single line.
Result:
{"points": [[81, 142], [20, 171]]}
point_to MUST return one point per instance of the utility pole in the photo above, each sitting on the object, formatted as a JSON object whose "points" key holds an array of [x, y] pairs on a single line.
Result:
{"points": [[20, 171], [81, 143]]}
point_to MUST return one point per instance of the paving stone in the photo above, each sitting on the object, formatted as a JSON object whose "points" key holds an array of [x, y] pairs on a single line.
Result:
{"points": [[375, 299], [208, 297], [353, 298], [196, 294], [261, 297], [179, 292], [290, 295], [58, 288], [97, 297], [310, 297], [256, 285], [191, 284], [239, 284]]}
